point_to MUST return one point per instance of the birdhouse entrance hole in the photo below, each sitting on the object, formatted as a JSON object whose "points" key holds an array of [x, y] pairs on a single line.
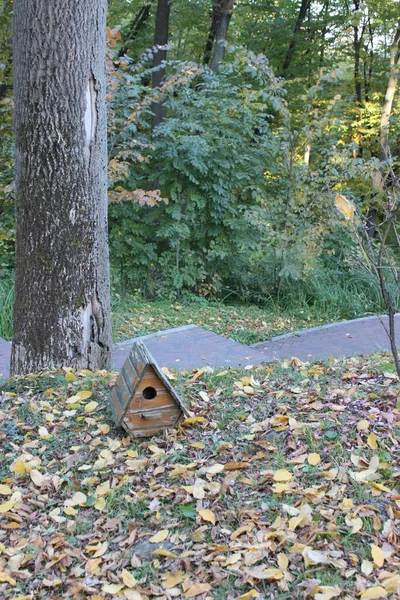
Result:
{"points": [[149, 393]]}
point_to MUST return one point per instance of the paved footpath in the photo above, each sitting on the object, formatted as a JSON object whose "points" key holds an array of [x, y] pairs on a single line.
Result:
{"points": [[190, 346]]}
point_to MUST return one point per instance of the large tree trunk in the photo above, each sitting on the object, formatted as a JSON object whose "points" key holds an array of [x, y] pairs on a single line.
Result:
{"points": [[160, 56], [223, 12], [304, 7], [62, 298]]}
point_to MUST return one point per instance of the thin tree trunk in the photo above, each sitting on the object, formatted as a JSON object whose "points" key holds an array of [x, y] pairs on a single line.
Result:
{"points": [[304, 7], [62, 296], [138, 23], [160, 56], [215, 18], [384, 128], [225, 13], [389, 97]]}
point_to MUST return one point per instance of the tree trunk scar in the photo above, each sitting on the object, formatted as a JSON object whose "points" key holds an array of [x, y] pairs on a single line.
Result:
{"points": [[90, 116]]}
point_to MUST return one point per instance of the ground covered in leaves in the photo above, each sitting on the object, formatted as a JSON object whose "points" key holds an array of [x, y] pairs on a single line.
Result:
{"points": [[133, 317], [283, 483]]}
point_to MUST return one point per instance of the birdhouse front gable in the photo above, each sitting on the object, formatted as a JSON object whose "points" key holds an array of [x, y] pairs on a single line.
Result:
{"points": [[143, 400]]}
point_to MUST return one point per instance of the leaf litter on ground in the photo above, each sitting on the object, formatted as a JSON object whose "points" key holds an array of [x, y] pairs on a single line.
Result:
{"points": [[282, 483]]}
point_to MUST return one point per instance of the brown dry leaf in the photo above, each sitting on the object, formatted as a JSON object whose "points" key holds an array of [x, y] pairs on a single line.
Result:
{"points": [[197, 589], [192, 421], [233, 466]]}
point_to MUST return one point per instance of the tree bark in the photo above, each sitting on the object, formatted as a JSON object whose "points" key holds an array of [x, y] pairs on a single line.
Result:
{"points": [[304, 7], [160, 56], [223, 13], [62, 295]]}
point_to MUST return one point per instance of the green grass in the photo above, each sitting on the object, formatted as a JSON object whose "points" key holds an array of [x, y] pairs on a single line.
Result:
{"points": [[132, 317], [6, 304]]}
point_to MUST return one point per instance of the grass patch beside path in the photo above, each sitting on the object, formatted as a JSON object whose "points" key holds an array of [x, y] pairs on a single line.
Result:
{"points": [[133, 317], [285, 485]]}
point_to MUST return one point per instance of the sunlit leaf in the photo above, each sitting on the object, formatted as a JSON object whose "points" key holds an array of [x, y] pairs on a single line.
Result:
{"points": [[159, 537], [207, 515], [344, 206]]}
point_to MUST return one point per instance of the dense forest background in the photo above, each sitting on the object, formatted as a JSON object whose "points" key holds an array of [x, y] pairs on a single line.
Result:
{"points": [[232, 126]]}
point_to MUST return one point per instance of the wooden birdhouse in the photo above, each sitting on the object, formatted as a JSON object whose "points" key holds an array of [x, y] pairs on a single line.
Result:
{"points": [[143, 400]]}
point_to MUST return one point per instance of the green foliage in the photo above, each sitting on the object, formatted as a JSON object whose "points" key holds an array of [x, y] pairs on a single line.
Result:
{"points": [[208, 160]]}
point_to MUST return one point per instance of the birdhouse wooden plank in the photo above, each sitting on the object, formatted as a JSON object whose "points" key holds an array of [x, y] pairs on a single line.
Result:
{"points": [[143, 401]]}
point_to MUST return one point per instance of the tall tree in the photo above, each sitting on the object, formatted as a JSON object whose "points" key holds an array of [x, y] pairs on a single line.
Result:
{"points": [[304, 7], [62, 303], [160, 55], [222, 12]]}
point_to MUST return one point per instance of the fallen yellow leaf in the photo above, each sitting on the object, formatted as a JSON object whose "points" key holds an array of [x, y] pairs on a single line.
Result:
{"points": [[372, 441], [374, 593], [19, 467], [159, 537], [196, 589], [326, 592], [377, 555], [192, 420], [283, 475], [78, 499], [37, 478], [84, 394], [173, 580], [198, 445], [6, 506], [91, 406], [363, 425], [5, 578], [214, 469], [207, 515], [100, 503], [103, 489], [112, 588], [313, 459], [250, 594], [128, 579], [5, 490]]}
